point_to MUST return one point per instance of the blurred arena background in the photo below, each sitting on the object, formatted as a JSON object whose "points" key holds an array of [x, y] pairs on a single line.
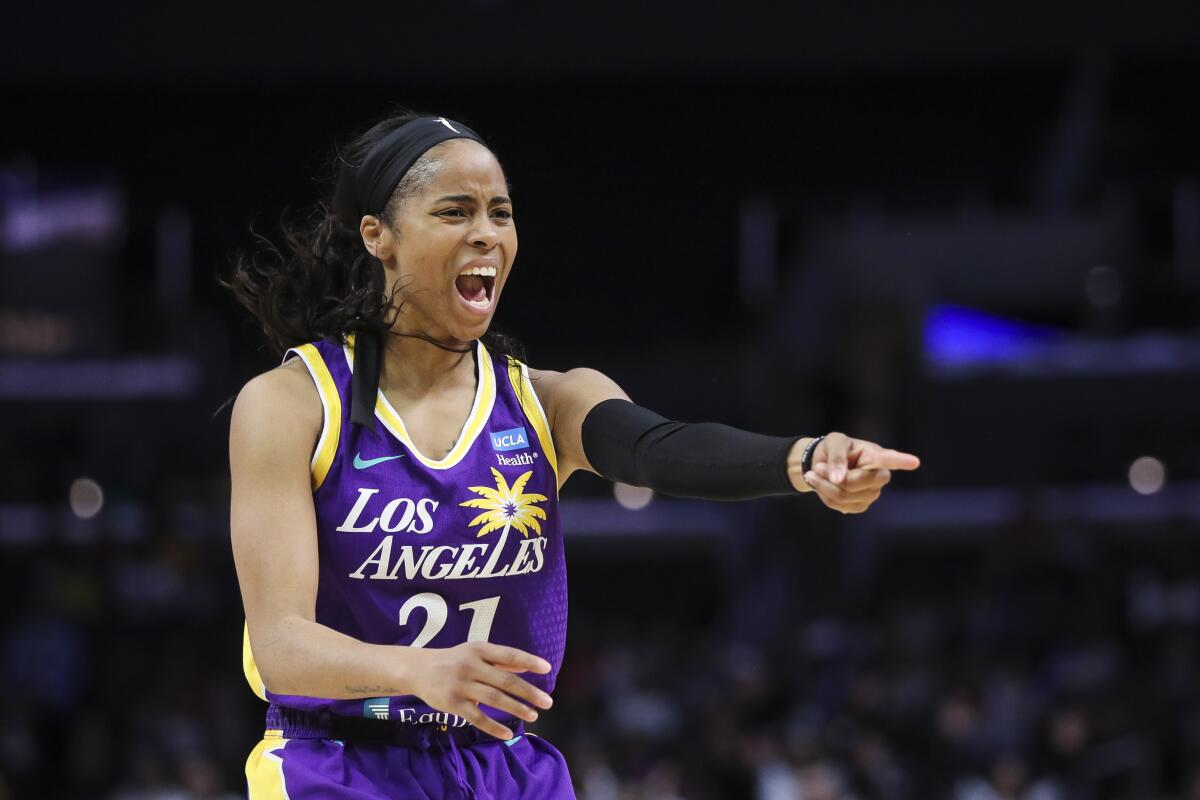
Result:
{"points": [[970, 232]]}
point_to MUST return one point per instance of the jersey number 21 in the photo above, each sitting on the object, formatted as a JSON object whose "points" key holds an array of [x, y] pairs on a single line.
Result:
{"points": [[436, 611]]}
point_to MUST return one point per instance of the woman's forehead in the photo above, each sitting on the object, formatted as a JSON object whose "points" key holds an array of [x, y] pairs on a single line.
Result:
{"points": [[467, 167]]}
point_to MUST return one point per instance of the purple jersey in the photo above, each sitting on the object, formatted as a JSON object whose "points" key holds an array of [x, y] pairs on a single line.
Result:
{"points": [[433, 553]]}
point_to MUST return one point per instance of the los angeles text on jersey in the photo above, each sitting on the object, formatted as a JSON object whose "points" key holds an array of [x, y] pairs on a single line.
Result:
{"points": [[388, 561], [414, 516]]}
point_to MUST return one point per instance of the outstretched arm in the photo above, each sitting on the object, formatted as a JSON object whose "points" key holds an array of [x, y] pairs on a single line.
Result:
{"points": [[596, 427]]}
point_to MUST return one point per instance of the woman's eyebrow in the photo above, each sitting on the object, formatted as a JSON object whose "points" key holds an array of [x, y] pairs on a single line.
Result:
{"points": [[466, 198]]}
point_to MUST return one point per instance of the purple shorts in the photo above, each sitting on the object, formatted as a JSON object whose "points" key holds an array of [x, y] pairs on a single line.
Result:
{"points": [[297, 763]]}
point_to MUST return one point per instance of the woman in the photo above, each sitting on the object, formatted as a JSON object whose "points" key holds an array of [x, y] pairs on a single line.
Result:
{"points": [[395, 484]]}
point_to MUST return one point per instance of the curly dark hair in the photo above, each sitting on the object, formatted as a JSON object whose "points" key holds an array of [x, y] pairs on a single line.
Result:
{"points": [[322, 283]]}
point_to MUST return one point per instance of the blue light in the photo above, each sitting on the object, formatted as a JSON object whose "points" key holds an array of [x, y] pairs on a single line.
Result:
{"points": [[960, 336]]}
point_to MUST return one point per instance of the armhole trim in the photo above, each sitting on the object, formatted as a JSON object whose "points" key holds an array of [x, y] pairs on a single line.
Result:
{"points": [[249, 667], [331, 425], [518, 375]]}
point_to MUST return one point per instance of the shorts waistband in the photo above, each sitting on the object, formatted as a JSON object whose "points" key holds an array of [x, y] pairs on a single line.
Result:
{"points": [[295, 723]]}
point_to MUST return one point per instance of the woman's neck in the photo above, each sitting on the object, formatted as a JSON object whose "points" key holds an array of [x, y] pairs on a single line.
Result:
{"points": [[415, 367]]}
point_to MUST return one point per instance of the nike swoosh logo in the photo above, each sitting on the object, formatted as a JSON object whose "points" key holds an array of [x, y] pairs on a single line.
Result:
{"points": [[359, 463]]}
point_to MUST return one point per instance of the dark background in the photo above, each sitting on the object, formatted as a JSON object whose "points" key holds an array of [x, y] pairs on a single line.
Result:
{"points": [[969, 232]]}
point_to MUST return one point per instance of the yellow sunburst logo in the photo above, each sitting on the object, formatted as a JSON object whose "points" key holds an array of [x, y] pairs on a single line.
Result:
{"points": [[507, 506]]}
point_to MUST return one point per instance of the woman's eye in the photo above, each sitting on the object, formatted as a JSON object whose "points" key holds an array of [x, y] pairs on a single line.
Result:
{"points": [[452, 212], [503, 213]]}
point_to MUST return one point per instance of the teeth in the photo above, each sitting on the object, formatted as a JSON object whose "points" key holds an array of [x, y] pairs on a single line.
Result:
{"points": [[488, 271], [480, 303]]}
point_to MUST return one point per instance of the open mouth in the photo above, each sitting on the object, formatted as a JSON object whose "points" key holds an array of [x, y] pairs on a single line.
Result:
{"points": [[477, 285]]}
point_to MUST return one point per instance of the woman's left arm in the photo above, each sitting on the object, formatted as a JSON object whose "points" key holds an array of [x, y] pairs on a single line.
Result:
{"points": [[596, 427], [567, 397]]}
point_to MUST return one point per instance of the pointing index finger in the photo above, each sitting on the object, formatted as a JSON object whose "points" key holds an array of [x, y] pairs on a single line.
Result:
{"points": [[895, 459]]}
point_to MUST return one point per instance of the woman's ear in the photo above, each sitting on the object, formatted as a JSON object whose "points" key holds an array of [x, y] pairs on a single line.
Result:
{"points": [[375, 236]]}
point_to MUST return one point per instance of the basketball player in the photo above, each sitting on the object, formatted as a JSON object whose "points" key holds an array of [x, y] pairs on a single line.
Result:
{"points": [[395, 515]]}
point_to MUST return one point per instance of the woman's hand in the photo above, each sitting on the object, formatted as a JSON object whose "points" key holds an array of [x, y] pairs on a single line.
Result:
{"points": [[847, 474], [456, 679]]}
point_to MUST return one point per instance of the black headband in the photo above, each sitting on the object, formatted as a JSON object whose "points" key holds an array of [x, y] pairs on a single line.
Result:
{"points": [[381, 172], [393, 156]]}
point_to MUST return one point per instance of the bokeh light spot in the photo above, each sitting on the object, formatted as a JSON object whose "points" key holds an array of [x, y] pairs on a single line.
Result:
{"points": [[86, 498], [632, 497], [1147, 475]]}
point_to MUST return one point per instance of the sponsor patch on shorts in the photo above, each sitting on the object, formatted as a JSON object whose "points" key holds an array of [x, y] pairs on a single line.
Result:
{"points": [[376, 708]]}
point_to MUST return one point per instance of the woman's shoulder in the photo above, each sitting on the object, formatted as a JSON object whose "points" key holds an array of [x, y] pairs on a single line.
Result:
{"points": [[545, 382], [283, 401], [577, 380], [570, 394]]}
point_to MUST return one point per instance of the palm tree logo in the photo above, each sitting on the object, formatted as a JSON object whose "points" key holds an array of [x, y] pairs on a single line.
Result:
{"points": [[507, 506]]}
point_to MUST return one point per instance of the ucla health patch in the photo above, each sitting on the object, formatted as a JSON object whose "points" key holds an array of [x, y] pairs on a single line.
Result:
{"points": [[511, 439]]}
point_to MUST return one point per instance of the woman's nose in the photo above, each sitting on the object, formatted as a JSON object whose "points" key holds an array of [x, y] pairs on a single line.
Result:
{"points": [[484, 233]]}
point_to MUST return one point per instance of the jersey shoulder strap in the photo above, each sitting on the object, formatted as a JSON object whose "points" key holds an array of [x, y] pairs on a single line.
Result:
{"points": [[522, 389], [325, 364]]}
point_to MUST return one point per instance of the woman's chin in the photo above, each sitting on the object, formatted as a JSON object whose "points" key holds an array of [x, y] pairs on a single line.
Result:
{"points": [[474, 320]]}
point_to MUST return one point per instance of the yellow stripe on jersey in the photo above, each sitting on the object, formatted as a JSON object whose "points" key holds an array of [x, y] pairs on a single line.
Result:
{"points": [[331, 427], [518, 375], [249, 667], [264, 768], [481, 411]]}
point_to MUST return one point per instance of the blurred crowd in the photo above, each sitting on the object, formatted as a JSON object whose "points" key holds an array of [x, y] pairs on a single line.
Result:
{"points": [[1013, 669], [975, 673]]}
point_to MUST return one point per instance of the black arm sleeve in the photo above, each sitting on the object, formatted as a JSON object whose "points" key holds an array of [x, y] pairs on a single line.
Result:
{"points": [[627, 443]]}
